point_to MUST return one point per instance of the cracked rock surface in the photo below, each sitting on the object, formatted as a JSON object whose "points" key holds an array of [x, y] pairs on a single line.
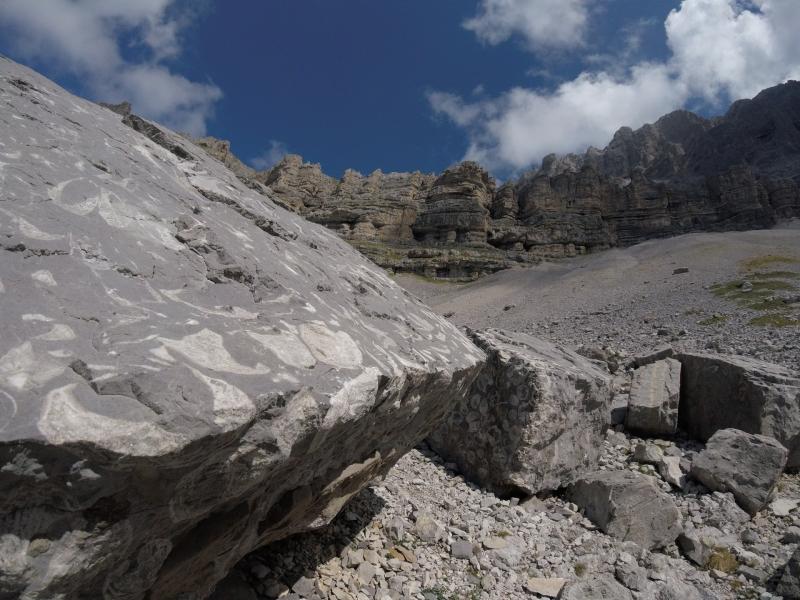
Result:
{"points": [[187, 371]]}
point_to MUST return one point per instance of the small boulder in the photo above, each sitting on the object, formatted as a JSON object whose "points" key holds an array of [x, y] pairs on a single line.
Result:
{"points": [[428, 529], [628, 506], [722, 392], [698, 545], [744, 464], [649, 454], [654, 398], [669, 467]]}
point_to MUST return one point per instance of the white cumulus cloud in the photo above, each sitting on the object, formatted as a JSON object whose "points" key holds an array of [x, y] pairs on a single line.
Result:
{"points": [[271, 156], [555, 24], [84, 37], [721, 50]]}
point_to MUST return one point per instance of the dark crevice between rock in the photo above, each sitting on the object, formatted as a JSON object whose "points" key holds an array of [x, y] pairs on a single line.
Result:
{"points": [[122, 385], [263, 223], [154, 134], [313, 548]]}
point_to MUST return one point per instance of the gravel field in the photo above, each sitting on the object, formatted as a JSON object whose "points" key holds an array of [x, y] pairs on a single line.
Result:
{"points": [[425, 533]]}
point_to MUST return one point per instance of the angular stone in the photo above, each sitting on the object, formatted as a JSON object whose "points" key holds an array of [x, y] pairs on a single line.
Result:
{"points": [[462, 549], [628, 506], [654, 356], [737, 392], [744, 464], [654, 398], [428, 528], [632, 576], [783, 507], [533, 420], [187, 371], [596, 588], [543, 586], [669, 467], [699, 544]]}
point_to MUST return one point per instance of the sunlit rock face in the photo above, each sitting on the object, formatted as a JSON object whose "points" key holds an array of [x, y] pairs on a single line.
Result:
{"points": [[681, 174], [187, 371]]}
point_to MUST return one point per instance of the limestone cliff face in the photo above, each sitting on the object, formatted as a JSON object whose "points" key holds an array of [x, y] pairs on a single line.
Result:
{"points": [[681, 174]]}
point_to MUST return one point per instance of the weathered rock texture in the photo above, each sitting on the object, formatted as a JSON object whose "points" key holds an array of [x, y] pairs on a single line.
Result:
{"points": [[681, 174], [655, 398], [187, 371], [789, 583], [721, 392], [533, 420], [745, 464], [628, 506]]}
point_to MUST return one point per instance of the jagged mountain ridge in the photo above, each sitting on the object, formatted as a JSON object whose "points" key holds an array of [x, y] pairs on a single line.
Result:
{"points": [[682, 173], [762, 133]]}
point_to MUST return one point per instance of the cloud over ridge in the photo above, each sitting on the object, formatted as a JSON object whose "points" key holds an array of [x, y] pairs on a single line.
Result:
{"points": [[85, 37], [720, 50]]}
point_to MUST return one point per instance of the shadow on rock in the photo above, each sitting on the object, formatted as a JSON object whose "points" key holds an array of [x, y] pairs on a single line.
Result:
{"points": [[285, 564]]}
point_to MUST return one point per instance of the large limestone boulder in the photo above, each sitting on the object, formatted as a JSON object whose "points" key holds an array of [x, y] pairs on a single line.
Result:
{"points": [[533, 420], [654, 398], [744, 464], [187, 371], [628, 506], [737, 392]]}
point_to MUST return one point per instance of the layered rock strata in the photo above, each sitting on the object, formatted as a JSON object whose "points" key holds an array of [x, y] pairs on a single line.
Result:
{"points": [[679, 175], [187, 370]]}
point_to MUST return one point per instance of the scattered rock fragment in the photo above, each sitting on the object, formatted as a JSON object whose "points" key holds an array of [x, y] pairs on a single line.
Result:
{"points": [[747, 465], [628, 506], [547, 587], [654, 398]]}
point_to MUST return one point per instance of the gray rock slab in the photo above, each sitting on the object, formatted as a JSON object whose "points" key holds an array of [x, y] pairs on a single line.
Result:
{"points": [[745, 464], [595, 588], [655, 398], [187, 370], [628, 506], [722, 392], [533, 420]]}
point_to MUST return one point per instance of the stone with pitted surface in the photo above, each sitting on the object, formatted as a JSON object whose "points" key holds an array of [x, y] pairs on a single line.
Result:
{"points": [[533, 420], [187, 371]]}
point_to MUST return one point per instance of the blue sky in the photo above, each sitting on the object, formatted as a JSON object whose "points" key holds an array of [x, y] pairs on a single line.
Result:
{"points": [[407, 84]]}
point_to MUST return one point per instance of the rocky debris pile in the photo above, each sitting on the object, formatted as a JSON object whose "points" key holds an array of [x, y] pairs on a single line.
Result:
{"points": [[637, 523], [534, 417], [426, 533], [187, 371]]}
